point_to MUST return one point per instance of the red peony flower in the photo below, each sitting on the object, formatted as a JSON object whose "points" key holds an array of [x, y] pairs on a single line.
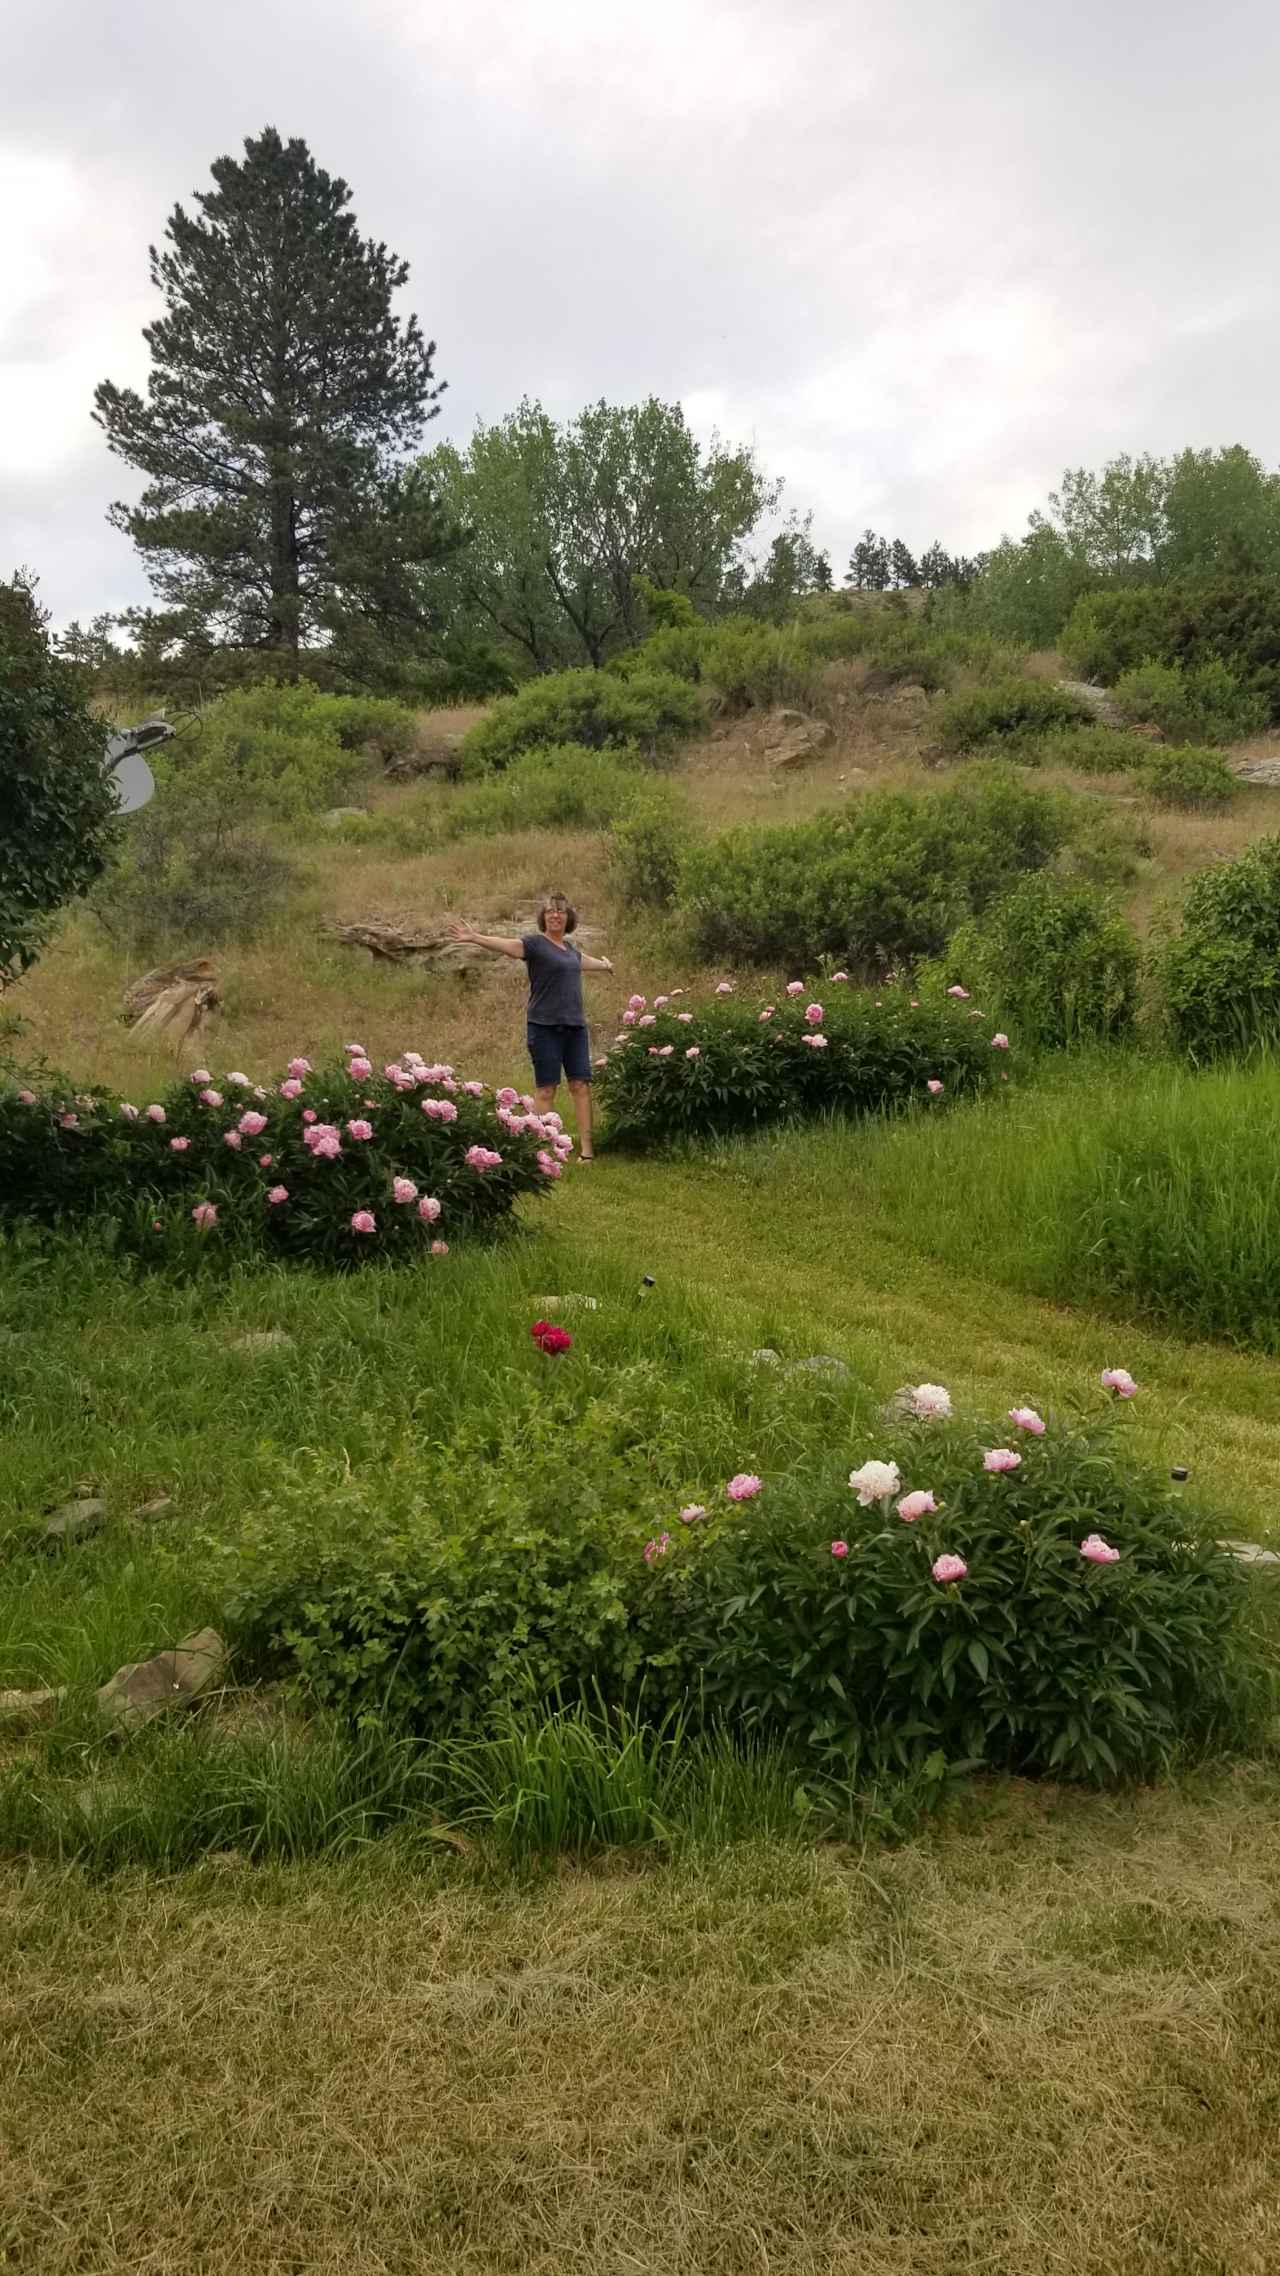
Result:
{"points": [[548, 1337]]}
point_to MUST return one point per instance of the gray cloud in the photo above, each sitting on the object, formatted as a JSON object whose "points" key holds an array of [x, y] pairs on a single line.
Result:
{"points": [[922, 258]]}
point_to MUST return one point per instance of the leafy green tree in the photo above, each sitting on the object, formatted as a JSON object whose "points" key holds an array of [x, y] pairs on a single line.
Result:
{"points": [[564, 520], [57, 803], [1222, 515], [1115, 520], [283, 400], [790, 571], [904, 568], [870, 564], [823, 581]]}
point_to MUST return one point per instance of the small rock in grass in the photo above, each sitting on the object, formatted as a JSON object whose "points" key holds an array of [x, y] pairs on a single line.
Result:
{"points": [[568, 1303], [22, 1710], [143, 1688], [73, 1521], [259, 1340], [162, 1506], [1252, 1553], [822, 1363], [766, 1357]]}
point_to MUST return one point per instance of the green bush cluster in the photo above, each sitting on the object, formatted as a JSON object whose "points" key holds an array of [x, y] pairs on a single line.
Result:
{"points": [[1055, 958], [1219, 975], [1201, 704], [145, 1177], [191, 873], [887, 878], [751, 665], [686, 1071], [1006, 711], [564, 787], [647, 848], [278, 751], [447, 1588], [649, 711], [1185, 776], [1231, 622]]}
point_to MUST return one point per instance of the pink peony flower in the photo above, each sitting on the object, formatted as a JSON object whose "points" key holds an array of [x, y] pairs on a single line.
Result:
{"points": [[628, 1020], [744, 1486], [232, 1139], [291, 1089], [359, 1070], [685, 1018], [362, 1131], [930, 1402], [795, 987], [816, 1042], [549, 1338], [636, 1003], [68, 1121], [1001, 1458], [839, 1548], [948, 1569], [814, 1014], [364, 1221], [404, 1189], [724, 988], [658, 1548], [507, 1097], [130, 1113], [237, 1077], [767, 1013], [26, 1098], [659, 1001], [428, 1209], [874, 1482], [323, 1141], [1026, 1418], [299, 1067], [204, 1215], [999, 1042], [474, 1090], [201, 1075], [916, 1505], [210, 1098], [439, 1248], [252, 1125], [933, 1086], [961, 994], [276, 1194], [548, 1164], [664, 1050], [265, 1161], [179, 1145], [440, 1109], [1098, 1551], [308, 1114], [691, 1513], [837, 977], [693, 1052], [646, 1019], [482, 1158], [357, 1048], [1120, 1381], [156, 1114]]}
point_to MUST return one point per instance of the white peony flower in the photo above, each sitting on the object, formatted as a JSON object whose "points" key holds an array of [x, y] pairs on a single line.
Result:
{"points": [[874, 1482]]}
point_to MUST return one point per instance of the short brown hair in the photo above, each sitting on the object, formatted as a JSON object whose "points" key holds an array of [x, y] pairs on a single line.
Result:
{"points": [[558, 901]]}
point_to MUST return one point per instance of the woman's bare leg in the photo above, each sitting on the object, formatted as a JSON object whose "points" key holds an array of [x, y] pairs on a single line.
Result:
{"points": [[581, 1096]]}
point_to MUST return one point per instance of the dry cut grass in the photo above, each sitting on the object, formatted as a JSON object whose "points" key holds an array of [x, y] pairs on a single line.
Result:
{"points": [[1045, 2040]]}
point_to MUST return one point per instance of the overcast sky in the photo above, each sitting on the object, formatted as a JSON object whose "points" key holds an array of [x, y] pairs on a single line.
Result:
{"points": [[921, 256]]}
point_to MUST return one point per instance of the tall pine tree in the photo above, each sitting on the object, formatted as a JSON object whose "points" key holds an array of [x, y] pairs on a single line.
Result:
{"points": [[283, 402]]}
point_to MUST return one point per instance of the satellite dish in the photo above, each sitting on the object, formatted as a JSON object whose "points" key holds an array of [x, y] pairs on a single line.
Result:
{"points": [[133, 782], [132, 778]]}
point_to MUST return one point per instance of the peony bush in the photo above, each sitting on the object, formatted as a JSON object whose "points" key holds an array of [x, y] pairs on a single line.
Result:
{"points": [[684, 1068], [938, 1593], [332, 1166]]}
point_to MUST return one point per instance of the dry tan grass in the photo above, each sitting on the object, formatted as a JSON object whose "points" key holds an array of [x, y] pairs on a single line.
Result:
{"points": [[1047, 2040]]}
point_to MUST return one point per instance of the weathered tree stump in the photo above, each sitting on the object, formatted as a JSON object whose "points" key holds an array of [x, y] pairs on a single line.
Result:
{"points": [[173, 1002]]}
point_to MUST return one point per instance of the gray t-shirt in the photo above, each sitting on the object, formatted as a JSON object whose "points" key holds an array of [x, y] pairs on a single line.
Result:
{"points": [[555, 982]]}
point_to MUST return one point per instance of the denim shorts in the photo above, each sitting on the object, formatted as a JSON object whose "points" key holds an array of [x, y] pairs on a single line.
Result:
{"points": [[557, 1050]]}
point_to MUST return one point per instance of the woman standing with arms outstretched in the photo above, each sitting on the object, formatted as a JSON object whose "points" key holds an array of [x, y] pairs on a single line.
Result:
{"points": [[558, 1040]]}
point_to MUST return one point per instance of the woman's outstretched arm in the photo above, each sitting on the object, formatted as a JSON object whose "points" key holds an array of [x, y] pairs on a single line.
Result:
{"points": [[594, 963], [461, 930]]}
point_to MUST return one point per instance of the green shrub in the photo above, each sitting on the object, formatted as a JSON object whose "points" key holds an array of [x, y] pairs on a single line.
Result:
{"points": [[1055, 958], [457, 1584], [1088, 750], [887, 878], [562, 788], [266, 750], [687, 1071], [1219, 977], [1004, 712], [373, 723], [648, 846], [1185, 776], [1205, 704], [653, 711], [757, 665], [188, 875], [675, 648], [77, 1159], [57, 805], [1233, 621]]}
